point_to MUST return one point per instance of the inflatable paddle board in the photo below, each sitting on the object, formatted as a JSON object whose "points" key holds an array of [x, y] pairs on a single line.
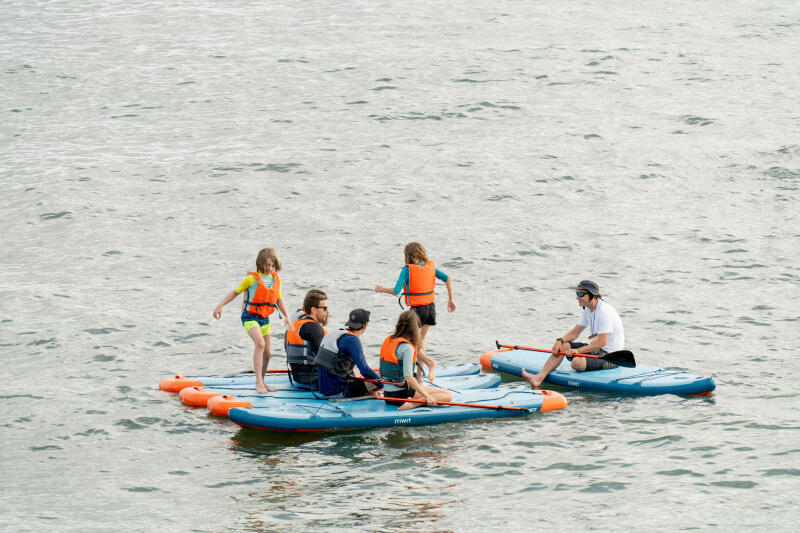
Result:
{"points": [[198, 396], [276, 379], [637, 380], [355, 413]]}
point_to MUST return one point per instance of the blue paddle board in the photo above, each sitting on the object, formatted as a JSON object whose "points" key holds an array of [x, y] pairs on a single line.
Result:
{"points": [[638, 380], [351, 413]]}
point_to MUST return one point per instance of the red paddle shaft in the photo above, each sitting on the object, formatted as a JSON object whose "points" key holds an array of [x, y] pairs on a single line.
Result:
{"points": [[546, 351], [483, 406]]}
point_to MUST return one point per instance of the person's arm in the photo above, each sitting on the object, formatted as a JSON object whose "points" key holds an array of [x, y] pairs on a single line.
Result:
{"points": [[225, 301], [282, 307], [402, 280], [415, 385], [243, 286], [602, 330], [386, 290], [353, 347], [313, 333], [600, 340], [406, 353], [451, 304], [562, 343]]}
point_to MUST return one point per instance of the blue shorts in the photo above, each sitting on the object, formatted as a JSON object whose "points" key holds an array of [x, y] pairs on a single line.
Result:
{"points": [[250, 321]]}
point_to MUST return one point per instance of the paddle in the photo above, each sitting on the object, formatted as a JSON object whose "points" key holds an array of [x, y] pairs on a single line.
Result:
{"points": [[619, 358], [276, 371], [246, 372], [479, 405]]}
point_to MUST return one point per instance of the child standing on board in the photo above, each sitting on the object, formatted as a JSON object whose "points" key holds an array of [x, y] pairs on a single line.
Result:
{"points": [[417, 280], [262, 296]]}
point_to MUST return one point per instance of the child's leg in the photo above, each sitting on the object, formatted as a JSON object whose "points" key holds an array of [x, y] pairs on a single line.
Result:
{"points": [[423, 355], [440, 395], [258, 357], [266, 354], [430, 363]]}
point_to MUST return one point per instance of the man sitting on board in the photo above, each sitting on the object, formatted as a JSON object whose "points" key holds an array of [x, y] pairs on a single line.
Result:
{"points": [[605, 336], [340, 353], [304, 338]]}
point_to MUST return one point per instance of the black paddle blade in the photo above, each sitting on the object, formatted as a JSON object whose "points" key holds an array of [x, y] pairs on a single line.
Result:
{"points": [[620, 358]]}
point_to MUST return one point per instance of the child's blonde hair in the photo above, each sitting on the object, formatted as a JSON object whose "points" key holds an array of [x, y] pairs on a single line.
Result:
{"points": [[415, 253], [263, 256]]}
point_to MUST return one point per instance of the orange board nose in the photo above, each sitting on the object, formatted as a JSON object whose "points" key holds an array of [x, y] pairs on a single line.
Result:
{"points": [[196, 396], [220, 405], [552, 400], [178, 383]]}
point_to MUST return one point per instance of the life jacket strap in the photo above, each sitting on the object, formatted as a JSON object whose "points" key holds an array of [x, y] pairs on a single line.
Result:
{"points": [[259, 304], [407, 294]]}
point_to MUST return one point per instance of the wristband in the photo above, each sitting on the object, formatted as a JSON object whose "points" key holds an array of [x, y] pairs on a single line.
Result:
{"points": [[559, 339]]}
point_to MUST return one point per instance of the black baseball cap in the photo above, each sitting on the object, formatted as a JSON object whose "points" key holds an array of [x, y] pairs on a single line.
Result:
{"points": [[590, 286], [358, 317]]}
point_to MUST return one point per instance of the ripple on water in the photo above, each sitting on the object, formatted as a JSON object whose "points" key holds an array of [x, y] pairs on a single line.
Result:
{"points": [[782, 472], [571, 467], [657, 441], [741, 484], [605, 486], [457, 262], [45, 448], [533, 487], [692, 120], [100, 331], [141, 489], [53, 216], [140, 423], [93, 432]]}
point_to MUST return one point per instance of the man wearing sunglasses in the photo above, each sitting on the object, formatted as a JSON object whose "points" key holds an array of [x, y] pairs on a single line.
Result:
{"points": [[605, 336], [304, 337]]}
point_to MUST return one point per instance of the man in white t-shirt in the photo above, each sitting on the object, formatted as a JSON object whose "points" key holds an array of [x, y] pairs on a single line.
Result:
{"points": [[605, 335]]}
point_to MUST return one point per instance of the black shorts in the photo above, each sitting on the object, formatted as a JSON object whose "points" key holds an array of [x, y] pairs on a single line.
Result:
{"points": [[426, 314], [405, 392], [593, 363], [355, 388]]}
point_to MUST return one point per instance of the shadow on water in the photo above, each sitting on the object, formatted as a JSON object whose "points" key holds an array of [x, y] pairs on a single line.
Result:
{"points": [[261, 442], [417, 441]]}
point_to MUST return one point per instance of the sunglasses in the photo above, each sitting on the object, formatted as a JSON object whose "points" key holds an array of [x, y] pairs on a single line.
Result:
{"points": [[323, 307], [580, 294]]}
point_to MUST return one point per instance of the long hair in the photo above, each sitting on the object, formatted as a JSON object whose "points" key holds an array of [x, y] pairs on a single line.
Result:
{"points": [[312, 299], [415, 253], [407, 327], [263, 256]]}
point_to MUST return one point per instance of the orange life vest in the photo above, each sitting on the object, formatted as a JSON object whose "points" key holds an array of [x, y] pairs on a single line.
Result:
{"points": [[391, 368], [298, 350], [259, 299], [421, 280]]}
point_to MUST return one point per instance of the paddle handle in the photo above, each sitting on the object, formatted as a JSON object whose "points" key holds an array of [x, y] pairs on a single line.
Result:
{"points": [[479, 405]]}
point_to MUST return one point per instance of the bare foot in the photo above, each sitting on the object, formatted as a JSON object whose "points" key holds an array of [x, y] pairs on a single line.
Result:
{"points": [[407, 405], [534, 382], [263, 388]]}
